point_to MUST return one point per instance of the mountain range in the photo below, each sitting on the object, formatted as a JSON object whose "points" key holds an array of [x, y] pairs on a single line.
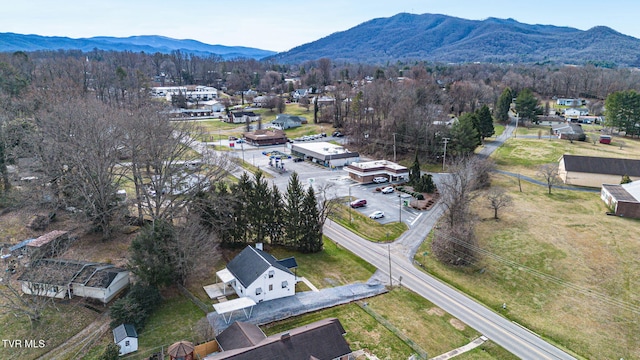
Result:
{"points": [[442, 38], [405, 37], [10, 42]]}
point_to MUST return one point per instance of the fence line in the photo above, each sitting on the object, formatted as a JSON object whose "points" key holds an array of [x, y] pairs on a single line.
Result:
{"points": [[421, 353]]}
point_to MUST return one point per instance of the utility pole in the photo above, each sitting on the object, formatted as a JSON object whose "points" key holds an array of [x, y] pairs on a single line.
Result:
{"points": [[390, 281], [444, 157], [394, 147]]}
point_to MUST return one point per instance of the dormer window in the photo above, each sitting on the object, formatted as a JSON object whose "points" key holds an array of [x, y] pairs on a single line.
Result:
{"points": [[271, 273]]}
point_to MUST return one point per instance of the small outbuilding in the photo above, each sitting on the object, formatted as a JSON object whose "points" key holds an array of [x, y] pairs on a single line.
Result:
{"points": [[182, 350], [126, 337], [623, 200]]}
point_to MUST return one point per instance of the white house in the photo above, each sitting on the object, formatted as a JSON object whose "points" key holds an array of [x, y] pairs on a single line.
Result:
{"points": [[126, 337], [260, 276]]}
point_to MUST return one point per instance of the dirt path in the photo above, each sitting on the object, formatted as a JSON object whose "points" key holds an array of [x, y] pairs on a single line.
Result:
{"points": [[80, 342]]}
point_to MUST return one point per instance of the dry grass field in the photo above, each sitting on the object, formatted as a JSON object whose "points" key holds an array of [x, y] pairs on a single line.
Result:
{"points": [[564, 268]]}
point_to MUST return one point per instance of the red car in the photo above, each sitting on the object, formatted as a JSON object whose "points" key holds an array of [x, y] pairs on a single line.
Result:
{"points": [[358, 203]]}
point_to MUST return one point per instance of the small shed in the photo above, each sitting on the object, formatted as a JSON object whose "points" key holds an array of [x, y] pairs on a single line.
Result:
{"points": [[182, 350], [126, 337]]}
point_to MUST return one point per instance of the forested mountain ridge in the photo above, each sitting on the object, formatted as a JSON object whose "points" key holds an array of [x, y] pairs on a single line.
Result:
{"points": [[149, 43], [444, 38]]}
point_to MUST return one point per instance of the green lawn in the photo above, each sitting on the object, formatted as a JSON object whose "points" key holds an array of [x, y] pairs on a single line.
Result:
{"points": [[365, 227], [57, 325]]}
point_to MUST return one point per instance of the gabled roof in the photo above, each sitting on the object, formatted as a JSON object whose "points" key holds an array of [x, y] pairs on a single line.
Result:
{"points": [[240, 335], [124, 331], [626, 192], [247, 266], [600, 165], [322, 339]]}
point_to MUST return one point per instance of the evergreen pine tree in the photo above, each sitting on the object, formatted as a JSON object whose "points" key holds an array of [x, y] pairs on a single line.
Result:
{"points": [[414, 172], [258, 208], [464, 136], [311, 240], [503, 105], [276, 218], [293, 223], [242, 192], [485, 122]]}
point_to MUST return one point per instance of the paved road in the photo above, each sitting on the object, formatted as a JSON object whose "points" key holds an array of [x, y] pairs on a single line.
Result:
{"points": [[514, 338], [397, 260]]}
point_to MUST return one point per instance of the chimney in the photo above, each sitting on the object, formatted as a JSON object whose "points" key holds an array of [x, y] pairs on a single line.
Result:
{"points": [[259, 246]]}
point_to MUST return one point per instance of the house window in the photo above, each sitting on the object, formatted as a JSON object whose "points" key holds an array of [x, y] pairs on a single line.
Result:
{"points": [[126, 343], [270, 287], [271, 273], [258, 291], [285, 284]]}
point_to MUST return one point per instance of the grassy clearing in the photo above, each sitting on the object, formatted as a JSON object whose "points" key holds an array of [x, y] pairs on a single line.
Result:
{"points": [[566, 235], [57, 325], [429, 327], [173, 321], [339, 267], [525, 155], [365, 227]]}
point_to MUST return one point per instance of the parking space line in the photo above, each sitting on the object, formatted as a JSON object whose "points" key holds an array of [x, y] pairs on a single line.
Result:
{"points": [[416, 219]]}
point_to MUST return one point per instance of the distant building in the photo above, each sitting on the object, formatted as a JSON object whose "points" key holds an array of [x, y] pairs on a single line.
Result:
{"points": [[325, 153], [285, 121], [190, 92], [364, 172], [594, 171], [266, 137]]}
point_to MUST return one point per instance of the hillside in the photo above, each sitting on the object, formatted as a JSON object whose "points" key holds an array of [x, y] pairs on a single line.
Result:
{"points": [[449, 39], [150, 44]]}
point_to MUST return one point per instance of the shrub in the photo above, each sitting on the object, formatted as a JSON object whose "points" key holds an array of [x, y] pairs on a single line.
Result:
{"points": [[136, 307], [420, 197], [111, 352]]}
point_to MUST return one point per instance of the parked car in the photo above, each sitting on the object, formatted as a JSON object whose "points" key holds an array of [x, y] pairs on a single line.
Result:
{"points": [[240, 141], [232, 138], [376, 214], [337, 134], [297, 159], [387, 190], [380, 179], [358, 203]]}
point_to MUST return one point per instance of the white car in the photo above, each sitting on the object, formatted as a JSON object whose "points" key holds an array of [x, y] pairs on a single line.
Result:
{"points": [[387, 190], [376, 215], [380, 179]]}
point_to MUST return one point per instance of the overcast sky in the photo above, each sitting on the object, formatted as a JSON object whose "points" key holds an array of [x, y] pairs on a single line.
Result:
{"points": [[280, 25]]}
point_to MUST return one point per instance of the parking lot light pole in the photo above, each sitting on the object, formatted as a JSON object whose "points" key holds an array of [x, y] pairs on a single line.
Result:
{"points": [[400, 207]]}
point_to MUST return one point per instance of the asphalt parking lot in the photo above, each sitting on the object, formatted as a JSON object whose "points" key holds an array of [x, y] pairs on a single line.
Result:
{"points": [[335, 183]]}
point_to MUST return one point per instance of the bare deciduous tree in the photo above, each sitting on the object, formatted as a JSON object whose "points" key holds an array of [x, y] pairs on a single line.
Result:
{"points": [[166, 172], [498, 199], [549, 172]]}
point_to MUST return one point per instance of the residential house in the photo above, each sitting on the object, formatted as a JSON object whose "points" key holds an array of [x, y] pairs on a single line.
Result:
{"points": [[299, 94], [126, 337], [322, 339], [569, 131], [623, 199], [262, 101], [242, 117], [266, 137], [550, 120], [58, 278], [594, 171], [260, 276], [285, 121], [569, 102], [575, 113]]}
